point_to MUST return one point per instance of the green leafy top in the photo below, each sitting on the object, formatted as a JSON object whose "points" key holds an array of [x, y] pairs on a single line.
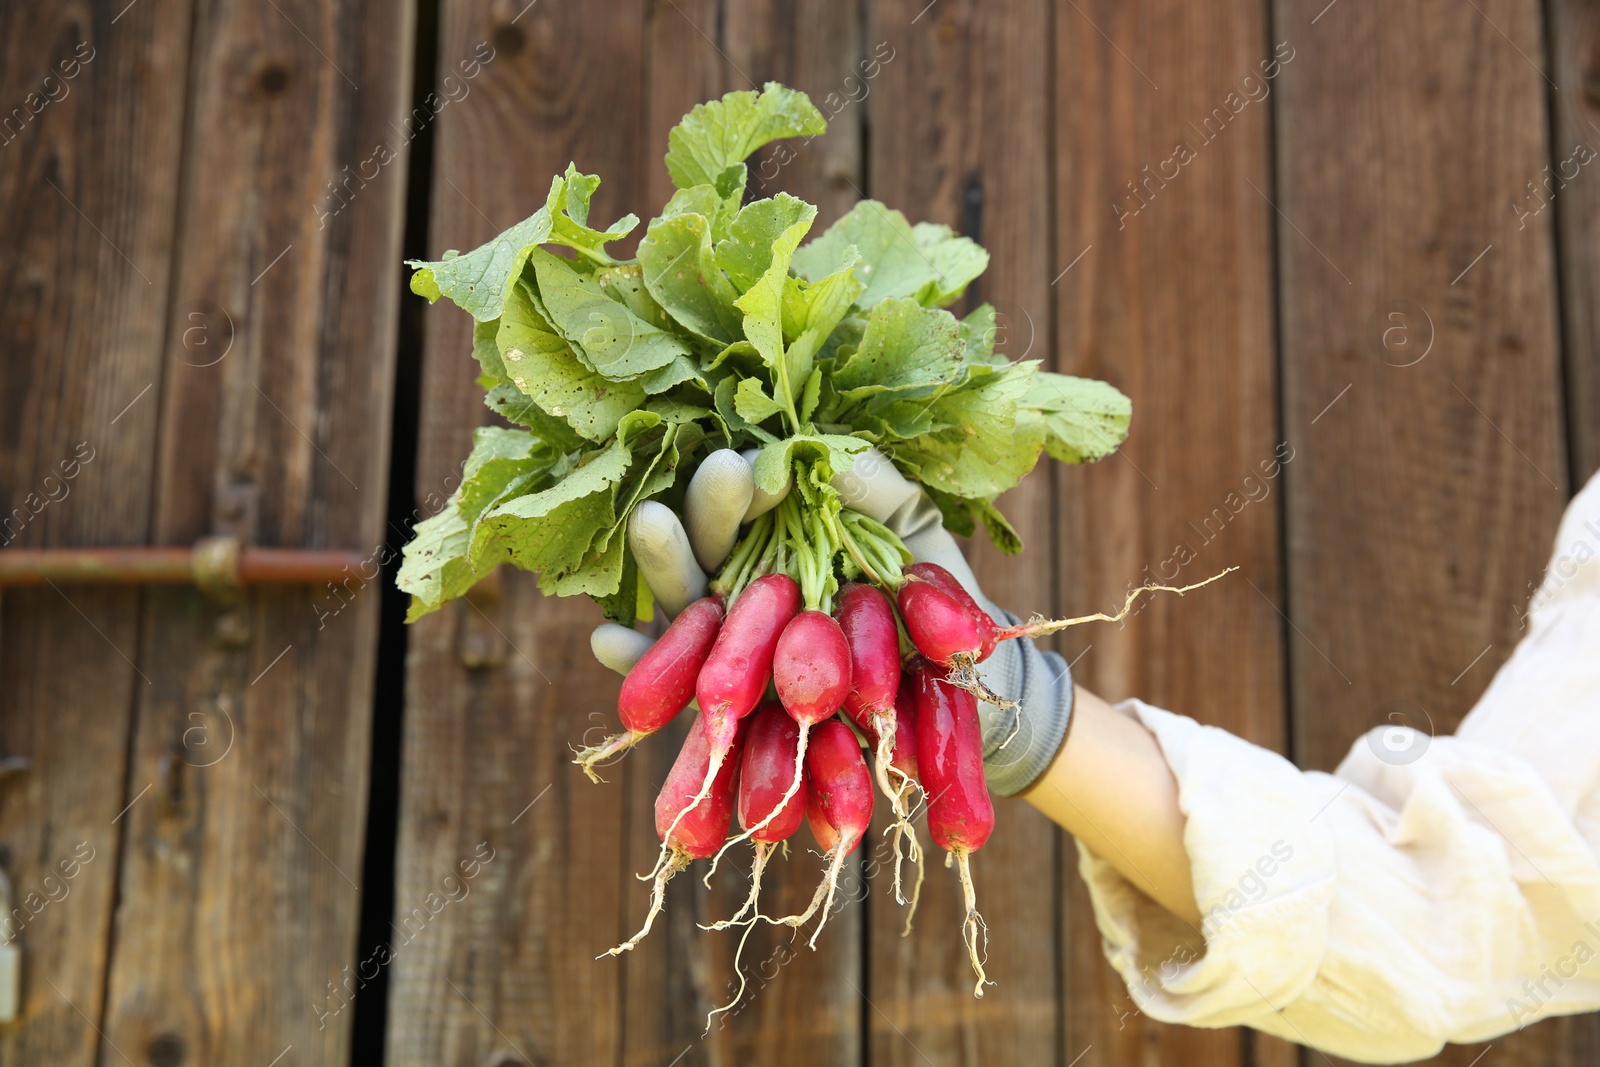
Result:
{"points": [[723, 133], [727, 330]]}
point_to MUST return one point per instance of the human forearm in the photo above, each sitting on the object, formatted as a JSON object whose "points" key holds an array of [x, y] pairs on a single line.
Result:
{"points": [[1110, 787]]}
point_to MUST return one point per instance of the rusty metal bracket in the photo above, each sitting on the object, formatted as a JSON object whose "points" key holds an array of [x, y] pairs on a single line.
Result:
{"points": [[215, 565]]}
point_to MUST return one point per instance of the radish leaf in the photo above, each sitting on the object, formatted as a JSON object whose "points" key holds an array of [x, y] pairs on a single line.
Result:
{"points": [[541, 364], [568, 205], [718, 134], [987, 449], [682, 274], [1084, 419], [758, 232], [762, 305], [726, 330], [905, 346], [608, 338], [925, 262], [476, 282], [753, 403]]}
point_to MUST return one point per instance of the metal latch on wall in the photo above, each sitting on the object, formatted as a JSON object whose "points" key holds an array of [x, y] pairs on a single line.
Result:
{"points": [[214, 564]]}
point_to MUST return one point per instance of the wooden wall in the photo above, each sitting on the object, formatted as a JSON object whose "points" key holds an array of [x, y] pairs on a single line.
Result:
{"points": [[206, 304]]}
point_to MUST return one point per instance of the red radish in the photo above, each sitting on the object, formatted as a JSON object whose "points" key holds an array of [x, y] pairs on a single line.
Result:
{"points": [[949, 633], [941, 627], [768, 768], [945, 582], [662, 683], [697, 837], [960, 813], [811, 672], [768, 765], [839, 809], [811, 667], [867, 619], [736, 672]]}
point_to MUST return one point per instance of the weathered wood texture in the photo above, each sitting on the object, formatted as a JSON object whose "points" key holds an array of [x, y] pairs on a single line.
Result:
{"points": [[1412, 300], [249, 751], [498, 684], [1164, 287], [87, 173], [1574, 36]]}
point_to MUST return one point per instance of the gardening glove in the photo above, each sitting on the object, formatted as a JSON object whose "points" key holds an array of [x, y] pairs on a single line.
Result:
{"points": [[1039, 681], [1019, 744]]}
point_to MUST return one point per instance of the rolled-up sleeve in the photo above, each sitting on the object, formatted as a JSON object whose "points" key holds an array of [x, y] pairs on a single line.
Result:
{"points": [[1404, 901]]}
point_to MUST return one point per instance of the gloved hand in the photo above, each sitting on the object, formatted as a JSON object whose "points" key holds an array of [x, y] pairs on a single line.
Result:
{"points": [[675, 560]]}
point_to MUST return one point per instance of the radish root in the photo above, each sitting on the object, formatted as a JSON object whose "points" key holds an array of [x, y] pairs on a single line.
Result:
{"points": [[916, 889], [1039, 627], [823, 898], [964, 674], [964, 669], [594, 755], [678, 861], [751, 902], [974, 931], [914, 852], [737, 955], [882, 767], [777, 809]]}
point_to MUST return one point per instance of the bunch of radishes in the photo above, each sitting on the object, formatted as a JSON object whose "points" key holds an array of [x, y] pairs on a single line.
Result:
{"points": [[849, 671], [774, 761]]}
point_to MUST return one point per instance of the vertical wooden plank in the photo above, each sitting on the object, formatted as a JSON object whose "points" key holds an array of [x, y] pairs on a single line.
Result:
{"points": [[1574, 35], [818, 49], [959, 124], [248, 773], [86, 238], [499, 684], [799, 1006], [1425, 499], [1167, 294]]}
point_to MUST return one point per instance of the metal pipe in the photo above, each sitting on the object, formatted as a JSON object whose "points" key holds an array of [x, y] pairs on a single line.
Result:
{"points": [[214, 561]]}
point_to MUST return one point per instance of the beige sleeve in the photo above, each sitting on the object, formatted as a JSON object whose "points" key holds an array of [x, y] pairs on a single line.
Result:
{"points": [[1446, 889]]}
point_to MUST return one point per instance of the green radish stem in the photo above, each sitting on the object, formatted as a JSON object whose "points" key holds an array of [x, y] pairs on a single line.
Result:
{"points": [[737, 570], [886, 551]]}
